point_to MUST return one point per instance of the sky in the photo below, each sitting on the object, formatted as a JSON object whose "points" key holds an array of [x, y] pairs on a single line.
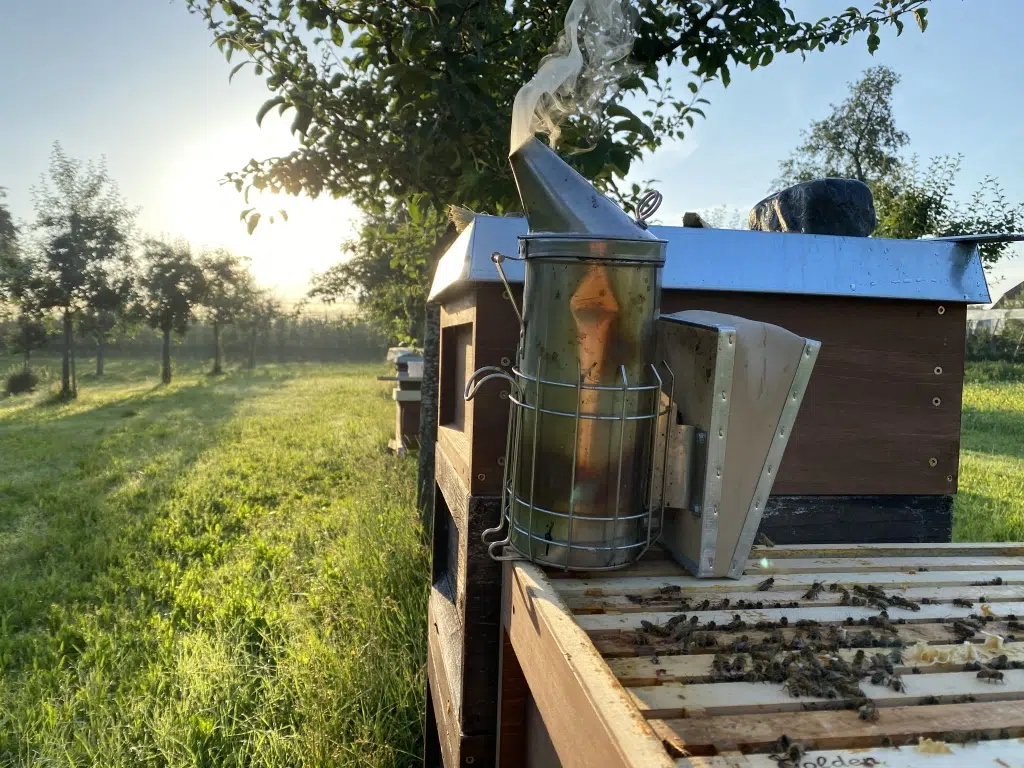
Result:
{"points": [[137, 81]]}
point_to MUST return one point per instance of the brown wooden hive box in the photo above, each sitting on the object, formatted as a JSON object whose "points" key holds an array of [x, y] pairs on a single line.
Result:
{"points": [[873, 456]]}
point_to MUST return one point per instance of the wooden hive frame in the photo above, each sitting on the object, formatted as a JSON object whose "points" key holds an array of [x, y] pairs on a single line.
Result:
{"points": [[578, 689]]}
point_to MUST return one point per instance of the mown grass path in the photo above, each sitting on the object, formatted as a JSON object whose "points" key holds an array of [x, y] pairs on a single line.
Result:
{"points": [[225, 571]]}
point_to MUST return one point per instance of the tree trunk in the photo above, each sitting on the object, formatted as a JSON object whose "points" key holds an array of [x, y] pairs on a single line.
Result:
{"points": [[28, 355], [252, 349], [216, 348], [165, 368], [65, 367], [99, 355], [74, 370]]}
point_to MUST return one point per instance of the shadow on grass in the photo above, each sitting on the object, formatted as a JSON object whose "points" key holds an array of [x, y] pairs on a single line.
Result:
{"points": [[78, 492]]}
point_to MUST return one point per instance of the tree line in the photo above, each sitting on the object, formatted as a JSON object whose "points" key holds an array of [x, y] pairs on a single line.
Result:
{"points": [[80, 268]]}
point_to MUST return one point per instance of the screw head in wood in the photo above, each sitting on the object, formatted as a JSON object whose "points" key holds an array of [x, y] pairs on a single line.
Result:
{"points": [[481, 476], [506, 362], [503, 394], [936, 401], [938, 370], [501, 461], [933, 462], [941, 310]]}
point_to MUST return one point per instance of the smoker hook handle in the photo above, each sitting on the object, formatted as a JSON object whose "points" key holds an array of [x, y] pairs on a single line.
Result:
{"points": [[474, 382], [498, 258]]}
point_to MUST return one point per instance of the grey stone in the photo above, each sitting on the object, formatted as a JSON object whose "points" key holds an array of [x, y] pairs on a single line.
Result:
{"points": [[819, 207]]}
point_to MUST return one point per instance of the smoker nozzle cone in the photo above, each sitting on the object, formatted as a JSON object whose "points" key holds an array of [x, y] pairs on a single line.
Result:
{"points": [[557, 199]]}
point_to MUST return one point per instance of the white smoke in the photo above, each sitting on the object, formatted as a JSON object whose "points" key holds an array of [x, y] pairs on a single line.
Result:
{"points": [[582, 73]]}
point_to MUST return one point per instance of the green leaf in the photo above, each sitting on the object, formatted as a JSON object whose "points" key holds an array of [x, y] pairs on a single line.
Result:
{"points": [[283, 213], [767, 58], [363, 41], [267, 106], [873, 43], [250, 225], [726, 78], [236, 68], [920, 15], [694, 88]]}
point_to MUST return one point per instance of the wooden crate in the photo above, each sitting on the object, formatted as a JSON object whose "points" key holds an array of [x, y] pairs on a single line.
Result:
{"points": [[579, 689]]}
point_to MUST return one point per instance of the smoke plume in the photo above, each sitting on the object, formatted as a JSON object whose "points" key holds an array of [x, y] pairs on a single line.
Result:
{"points": [[582, 73]]}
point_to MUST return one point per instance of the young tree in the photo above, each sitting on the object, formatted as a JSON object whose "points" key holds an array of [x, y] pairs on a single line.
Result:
{"points": [[912, 203], [397, 103], [858, 140], [85, 230], [9, 256], [388, 272], [260, 311], [229, 285], [28, 334], [172, 285]]}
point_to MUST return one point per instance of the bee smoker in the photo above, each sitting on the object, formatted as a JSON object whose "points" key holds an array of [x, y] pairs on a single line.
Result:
{"points": [[579, 485]]}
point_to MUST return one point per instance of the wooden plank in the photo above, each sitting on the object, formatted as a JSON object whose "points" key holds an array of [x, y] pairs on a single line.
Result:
{"points": [[843, 729], [875, 519], [588, 715], [620, 644], [446, 711], [513, 693], [867, 424], [999, 754], [673, 700], [696, 668], [830, 614], [962, 549], [688, 585], [582, 604], [668, 568], [823, 565]]}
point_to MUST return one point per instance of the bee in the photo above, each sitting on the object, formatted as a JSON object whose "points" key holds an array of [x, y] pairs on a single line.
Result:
{"points": [[962, 602], [670, 589], [999, 662], [868, 712], [878, 678], [990, 675], [767, 584], [816, 589], [858, 658], [655, 629]]}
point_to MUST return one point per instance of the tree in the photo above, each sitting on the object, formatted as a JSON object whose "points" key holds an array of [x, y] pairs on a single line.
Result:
{"points": [[9, 261], [858, 140], [912, 203], [260, 311], [28, 334], [388, 271], [228, 287], [172, 285], [85, 229], [415, 109]]}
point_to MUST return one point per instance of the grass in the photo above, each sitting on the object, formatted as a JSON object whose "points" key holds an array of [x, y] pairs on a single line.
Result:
{"points": [[990, 502], [224, 571], [228, 571]]}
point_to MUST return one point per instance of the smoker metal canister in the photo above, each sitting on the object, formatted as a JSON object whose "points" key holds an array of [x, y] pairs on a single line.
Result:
{"points": [[585, 436]]}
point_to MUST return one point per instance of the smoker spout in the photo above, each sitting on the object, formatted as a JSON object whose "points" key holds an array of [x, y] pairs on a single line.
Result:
{"points": [[557, 199]]}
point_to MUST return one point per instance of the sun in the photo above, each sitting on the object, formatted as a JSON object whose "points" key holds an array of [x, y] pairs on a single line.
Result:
{"points": [[206, 212]]}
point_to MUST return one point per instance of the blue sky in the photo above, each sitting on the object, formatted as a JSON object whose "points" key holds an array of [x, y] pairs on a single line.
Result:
{"points": [[137, 81]]}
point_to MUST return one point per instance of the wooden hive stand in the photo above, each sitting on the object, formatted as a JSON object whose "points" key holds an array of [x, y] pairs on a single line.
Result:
{"points": [[587, 679]]}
